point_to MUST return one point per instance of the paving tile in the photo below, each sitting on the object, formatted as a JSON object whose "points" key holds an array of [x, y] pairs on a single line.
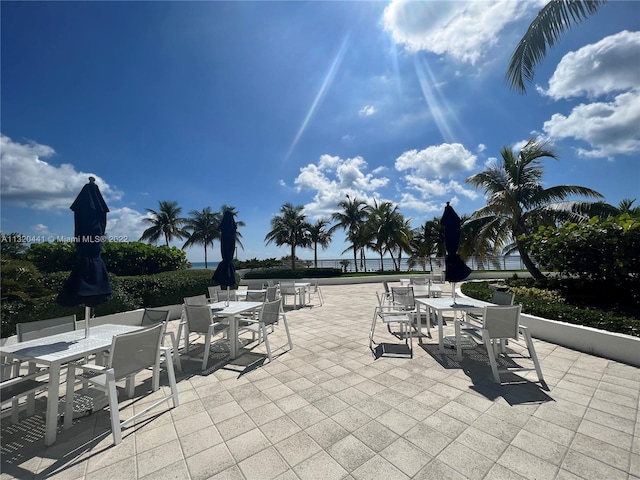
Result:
{"points": [[350, 452], [482, 442], [601, 451], [327, 432], [606, 434], [247, 444], [175, 471], [405, 456], [378, 467], [265, 465], [156, 459], [438, 470], [320, 467], [200, 440], [543, 447], [209, 462], [279, 429], [376, 436], [586, 467], [470, 463], [527, 465], [297, 447]]}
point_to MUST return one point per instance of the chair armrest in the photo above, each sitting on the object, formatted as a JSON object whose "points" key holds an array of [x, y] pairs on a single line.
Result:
{"points": [[97, 369]]}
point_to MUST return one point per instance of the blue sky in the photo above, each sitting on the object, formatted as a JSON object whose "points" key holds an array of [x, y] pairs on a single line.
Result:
{"points": [[254, 104]]}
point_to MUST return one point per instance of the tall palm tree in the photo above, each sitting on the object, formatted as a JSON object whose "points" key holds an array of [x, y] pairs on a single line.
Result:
{"points": [[351, 219], [289, 228], [517, 203], [555, 18], [166, 222], [319, 236], [204, 227]]}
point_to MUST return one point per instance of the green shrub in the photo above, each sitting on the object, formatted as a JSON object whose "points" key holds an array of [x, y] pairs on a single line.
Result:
{"points": [[553, 304]]}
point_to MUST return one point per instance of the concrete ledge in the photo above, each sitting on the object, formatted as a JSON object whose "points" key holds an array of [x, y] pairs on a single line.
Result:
{"points": [[615, 346]]}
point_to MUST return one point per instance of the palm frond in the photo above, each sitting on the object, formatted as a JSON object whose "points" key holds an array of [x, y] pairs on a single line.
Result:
{"points": [[555, 18]]}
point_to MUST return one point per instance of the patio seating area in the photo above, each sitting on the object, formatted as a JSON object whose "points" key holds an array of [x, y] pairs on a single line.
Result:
{"points": [[331, 409]]}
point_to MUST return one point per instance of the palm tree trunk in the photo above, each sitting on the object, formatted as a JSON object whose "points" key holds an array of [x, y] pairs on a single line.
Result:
{"points": [[293, 256], [205, 255], [315, 255], [526, 259], [355, 257], [381, 262]]}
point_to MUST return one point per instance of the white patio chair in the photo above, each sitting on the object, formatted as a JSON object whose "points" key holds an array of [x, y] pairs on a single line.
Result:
{"points": [[289, 289], [152, 316], [270, 314], [201, 321], [213, 293], [501, 323], [388, 315], [272, 293], [499, 298], [14, 382], [314, 289], [193, 300], [130, 354]]}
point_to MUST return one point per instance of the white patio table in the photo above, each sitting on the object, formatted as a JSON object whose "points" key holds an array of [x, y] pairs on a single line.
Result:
{"points": [[439, 305], [231, 312], [57, 350]]}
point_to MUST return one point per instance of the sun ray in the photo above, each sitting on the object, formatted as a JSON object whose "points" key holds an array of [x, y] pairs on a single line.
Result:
{"points": [[328, 79]]}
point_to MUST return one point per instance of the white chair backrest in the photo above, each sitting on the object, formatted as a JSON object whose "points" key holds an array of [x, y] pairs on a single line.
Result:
{"points": [[419, 281], [256, 296], [502, 321], [287, 288], [227, 294], [135, 351], [403, 296], [213, 292], [381, 297], [151, 316], [503, 298], [199, 318], [272, 293], [270, 312], [45, 328], [196, 300]]}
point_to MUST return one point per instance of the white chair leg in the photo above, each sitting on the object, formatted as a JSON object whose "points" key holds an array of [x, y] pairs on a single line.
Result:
{"points": [[172, 376], [266, 342], [207, 347], [68, 397], [491, 355], [458, 340], [532, 352], [114, 412], [176, 355], [130, 385]]}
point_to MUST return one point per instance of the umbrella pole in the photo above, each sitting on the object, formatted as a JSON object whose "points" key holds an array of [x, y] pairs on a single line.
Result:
{"points": [[87, 316], [226, 304], [453, 291]]}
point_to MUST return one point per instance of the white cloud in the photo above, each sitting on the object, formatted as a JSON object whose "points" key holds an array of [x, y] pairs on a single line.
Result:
{"points": [[462, 30], [28, 180], [333, 178], [610, 128], [447, 159], [608, 66], [125, 222], [367, 111]]}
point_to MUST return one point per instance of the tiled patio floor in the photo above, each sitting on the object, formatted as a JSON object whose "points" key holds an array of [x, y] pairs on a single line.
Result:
{"points": [[329, 410]]}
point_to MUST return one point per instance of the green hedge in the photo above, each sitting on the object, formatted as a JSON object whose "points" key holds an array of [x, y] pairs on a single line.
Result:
{"points": [[552, 305]]}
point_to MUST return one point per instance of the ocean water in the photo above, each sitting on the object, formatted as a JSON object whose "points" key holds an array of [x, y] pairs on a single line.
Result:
{"points": [[200, 265]]}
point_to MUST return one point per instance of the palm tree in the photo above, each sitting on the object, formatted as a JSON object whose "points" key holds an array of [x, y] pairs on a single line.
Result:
{"points": [[166, 222], [427, 241], [319, 236], [517, 203], [351, 219], [205, 228], [555, 18], [289, 228], [386, 225]]}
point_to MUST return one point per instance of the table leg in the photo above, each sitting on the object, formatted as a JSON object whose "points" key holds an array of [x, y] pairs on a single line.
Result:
{"points": [[233, 334], [51, 419], [440, 332], [419, 322]]}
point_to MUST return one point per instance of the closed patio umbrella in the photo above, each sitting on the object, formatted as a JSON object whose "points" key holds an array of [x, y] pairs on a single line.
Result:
{"points": [[456, 269], [225, 274], [88, 284]]}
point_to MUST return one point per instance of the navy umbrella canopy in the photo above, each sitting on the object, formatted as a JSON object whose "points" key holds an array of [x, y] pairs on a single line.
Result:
{"points": [[456, 269], [88, 284], [225, 273]]}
